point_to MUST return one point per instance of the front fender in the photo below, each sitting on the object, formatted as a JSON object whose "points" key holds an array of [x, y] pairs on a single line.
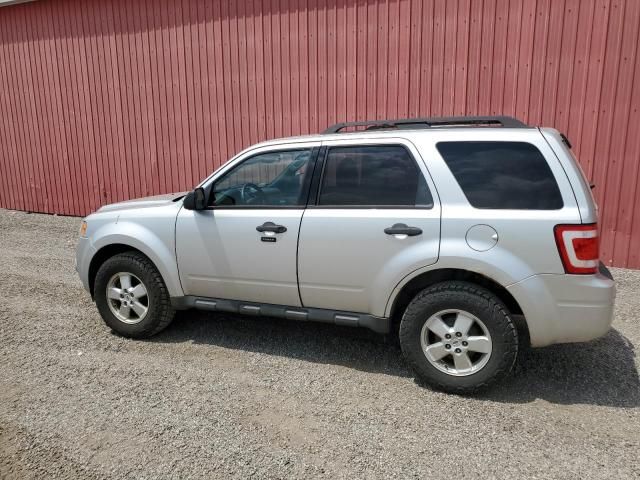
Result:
{"points": [[158, 246]]}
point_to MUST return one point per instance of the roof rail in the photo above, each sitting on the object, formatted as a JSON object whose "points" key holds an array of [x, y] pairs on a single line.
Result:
{"points": [[429, 122]]}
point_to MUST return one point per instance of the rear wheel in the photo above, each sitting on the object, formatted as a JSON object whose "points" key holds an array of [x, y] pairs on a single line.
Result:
{"points": [[458, 337], [131, 296]]}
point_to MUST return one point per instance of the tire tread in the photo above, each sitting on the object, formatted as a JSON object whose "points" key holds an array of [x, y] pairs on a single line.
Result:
{"points": [[454, 289], [164, 312]]}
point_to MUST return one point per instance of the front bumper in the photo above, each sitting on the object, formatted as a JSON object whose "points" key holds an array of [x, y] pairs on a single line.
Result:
{"points": [[566, 308], [84, 254]]}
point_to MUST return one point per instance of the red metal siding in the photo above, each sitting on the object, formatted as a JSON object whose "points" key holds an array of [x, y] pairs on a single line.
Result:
{"points": [[104, 100]]}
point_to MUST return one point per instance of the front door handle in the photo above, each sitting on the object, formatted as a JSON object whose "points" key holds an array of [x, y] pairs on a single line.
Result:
{"points": [[271, 227], [403, 229]]}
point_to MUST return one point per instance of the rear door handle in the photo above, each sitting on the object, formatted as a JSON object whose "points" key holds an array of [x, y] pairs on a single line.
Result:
{"points": [[403, 229], [271, 227]]}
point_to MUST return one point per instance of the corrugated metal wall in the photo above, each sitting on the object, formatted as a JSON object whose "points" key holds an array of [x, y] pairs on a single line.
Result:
{"points": [[103, 100]]}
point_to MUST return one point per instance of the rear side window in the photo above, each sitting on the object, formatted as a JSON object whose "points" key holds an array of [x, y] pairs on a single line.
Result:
{"points": [[502, 175], [383, 176]]}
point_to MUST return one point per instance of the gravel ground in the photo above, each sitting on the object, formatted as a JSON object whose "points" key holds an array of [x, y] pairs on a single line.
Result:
{"points": [[221, 395]]}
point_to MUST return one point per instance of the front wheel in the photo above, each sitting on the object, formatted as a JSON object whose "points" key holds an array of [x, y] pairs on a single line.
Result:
{"points": [[458, 337], [132, 297]]}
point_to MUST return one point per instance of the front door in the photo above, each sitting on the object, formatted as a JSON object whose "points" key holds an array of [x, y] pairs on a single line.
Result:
{"points": [[244, 246]]}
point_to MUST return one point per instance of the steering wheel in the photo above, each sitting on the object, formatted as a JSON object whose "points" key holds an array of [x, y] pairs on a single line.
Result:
{"points": [[250, 192]]}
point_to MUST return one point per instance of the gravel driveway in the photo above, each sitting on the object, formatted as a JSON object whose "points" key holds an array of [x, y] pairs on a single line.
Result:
{"points": [[221, 395]]}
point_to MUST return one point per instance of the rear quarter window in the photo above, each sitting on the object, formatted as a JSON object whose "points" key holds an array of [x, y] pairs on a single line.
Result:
{"points": [[502, 175]]}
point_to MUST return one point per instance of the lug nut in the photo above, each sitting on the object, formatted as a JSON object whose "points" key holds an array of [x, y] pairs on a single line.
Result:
{"points": [[464, 344], [458, 334], [447, 346], [448, 335], [458, 350]]}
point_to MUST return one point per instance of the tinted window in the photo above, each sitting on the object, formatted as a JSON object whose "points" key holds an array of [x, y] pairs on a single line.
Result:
{"points": [[373, 176], [267, 179], [502, 175]]}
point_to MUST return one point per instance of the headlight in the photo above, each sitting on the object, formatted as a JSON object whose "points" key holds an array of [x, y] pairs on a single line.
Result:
{"points": [[83, 229]]}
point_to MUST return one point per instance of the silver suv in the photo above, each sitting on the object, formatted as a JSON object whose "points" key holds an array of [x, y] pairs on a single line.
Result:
{"points": [[467, 237]]}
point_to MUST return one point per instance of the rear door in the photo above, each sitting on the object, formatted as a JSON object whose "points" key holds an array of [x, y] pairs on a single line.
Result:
{"points": [[373, 216]]}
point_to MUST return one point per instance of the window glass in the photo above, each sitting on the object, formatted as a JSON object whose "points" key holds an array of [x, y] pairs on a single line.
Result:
{"points": [[373, 176], [502, 175], [267, 179]]}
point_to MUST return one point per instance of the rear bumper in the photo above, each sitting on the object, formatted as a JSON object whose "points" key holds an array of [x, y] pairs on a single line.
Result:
{"points": [[566, 308]]}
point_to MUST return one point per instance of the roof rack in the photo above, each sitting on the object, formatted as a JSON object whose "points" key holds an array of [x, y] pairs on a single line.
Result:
{"points": [[429, 122]]}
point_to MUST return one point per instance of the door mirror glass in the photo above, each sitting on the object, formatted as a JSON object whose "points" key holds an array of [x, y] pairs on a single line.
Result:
{"points": [[195, 200]]}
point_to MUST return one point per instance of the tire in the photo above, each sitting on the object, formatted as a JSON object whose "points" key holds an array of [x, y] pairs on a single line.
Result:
{"points": [[491, 329], [140, 269]]}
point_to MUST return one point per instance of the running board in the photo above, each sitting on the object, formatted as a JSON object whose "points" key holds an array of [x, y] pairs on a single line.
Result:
{"points": [[350, 319]]}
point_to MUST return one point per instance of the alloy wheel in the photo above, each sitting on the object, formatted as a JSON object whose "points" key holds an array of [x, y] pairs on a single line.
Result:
{"points": [[127, 297], [456, 342]]}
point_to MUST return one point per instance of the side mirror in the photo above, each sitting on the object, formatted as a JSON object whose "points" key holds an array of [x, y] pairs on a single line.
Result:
{"points": [[195, 200]]}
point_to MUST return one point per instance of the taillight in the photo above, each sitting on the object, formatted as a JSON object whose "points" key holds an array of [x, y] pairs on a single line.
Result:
{"points": [[578, 247]]}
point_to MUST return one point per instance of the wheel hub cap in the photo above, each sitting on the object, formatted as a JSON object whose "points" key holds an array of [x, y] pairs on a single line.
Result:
{"points": [[456, 342], [127, 298]]}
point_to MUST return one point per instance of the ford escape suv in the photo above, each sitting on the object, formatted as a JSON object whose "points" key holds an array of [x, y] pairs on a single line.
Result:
{"points": [[468, 237]]}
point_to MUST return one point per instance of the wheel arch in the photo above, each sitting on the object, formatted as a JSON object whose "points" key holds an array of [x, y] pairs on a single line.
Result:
{"points": [[104, 254], [111, 249], [399, 303]]}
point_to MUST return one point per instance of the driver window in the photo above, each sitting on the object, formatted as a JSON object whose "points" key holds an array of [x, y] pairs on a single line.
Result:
{"points": [[267, 179]]}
